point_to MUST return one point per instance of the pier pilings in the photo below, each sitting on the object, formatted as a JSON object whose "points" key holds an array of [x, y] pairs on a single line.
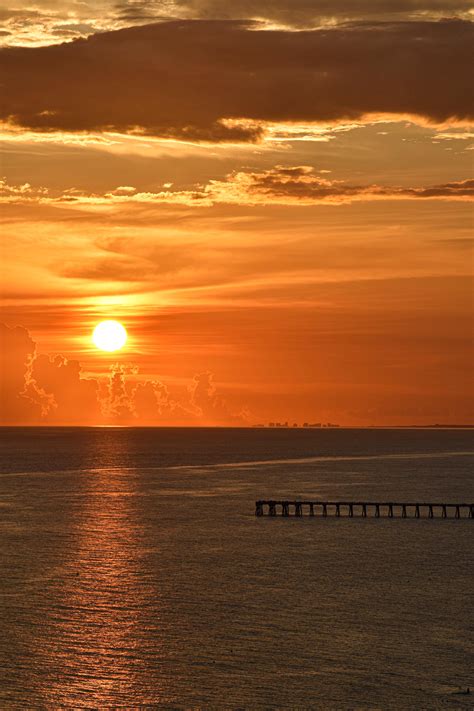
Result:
{"points": [[364, 509]]}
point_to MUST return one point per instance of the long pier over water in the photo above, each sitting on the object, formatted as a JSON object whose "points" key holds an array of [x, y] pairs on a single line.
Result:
{"points": [[364, 509]]}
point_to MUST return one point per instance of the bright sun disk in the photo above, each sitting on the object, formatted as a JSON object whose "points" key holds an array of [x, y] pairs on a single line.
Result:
{"points": [[109, 336]]}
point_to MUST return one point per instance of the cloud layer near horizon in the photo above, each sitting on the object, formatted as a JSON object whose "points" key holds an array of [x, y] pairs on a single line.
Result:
{"points": [[40, 389], [219, 80]]}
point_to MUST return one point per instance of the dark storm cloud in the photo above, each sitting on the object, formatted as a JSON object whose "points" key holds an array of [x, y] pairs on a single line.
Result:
{"points": [[185, 79]]}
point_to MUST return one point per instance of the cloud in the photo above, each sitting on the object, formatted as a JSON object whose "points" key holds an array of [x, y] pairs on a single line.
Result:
{"points": [[20, 193], [303, 13], [72, 397], [223, 80], [450, 191], [40, 389], [16, 353], [50, 22], [281, 185], [117, 403], [301, 185], [153, 402], [211, 406]]}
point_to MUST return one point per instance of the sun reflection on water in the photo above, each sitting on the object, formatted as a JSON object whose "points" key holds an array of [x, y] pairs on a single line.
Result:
{"points": [[96, 632]]}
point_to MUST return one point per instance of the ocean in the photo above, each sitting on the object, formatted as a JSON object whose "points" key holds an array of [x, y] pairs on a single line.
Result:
{"points": [[134, 573]]}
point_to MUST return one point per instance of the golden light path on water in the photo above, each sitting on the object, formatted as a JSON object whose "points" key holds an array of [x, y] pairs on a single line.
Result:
{"points": [[98, 632]]}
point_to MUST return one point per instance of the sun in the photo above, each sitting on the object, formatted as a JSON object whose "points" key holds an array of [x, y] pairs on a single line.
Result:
{"points": [[109, 336]]}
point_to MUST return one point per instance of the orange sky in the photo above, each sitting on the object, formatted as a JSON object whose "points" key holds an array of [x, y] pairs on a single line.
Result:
{"points": [[277, 206]]}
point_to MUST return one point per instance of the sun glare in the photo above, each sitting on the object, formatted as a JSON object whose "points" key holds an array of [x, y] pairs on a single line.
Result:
{"points": [[109, 336]]}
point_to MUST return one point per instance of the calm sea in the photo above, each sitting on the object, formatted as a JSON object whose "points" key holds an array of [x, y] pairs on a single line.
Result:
{"points": [[134, 573]]}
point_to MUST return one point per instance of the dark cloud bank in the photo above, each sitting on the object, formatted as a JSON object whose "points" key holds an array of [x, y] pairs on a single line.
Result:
{"points": [[181, 79]]}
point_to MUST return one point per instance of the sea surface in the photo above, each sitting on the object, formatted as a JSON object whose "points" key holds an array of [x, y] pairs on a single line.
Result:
{"points": [[135, 575]]}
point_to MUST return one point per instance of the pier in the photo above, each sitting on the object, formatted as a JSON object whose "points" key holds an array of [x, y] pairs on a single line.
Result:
{"points": [[364, 509]]}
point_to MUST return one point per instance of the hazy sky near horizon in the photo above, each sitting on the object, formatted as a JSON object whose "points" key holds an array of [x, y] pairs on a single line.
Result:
{"points": [[275, 199]]}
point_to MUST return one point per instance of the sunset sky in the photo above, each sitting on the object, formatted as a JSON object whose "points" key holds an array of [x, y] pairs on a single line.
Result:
{"points": [[274, 199]]}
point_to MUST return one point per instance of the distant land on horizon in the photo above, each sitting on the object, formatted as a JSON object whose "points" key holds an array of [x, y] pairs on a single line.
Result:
{"points": [[240, 427]]}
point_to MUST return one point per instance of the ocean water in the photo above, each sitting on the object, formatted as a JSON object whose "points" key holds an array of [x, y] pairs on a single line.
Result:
{"points": [[134, 573]]}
